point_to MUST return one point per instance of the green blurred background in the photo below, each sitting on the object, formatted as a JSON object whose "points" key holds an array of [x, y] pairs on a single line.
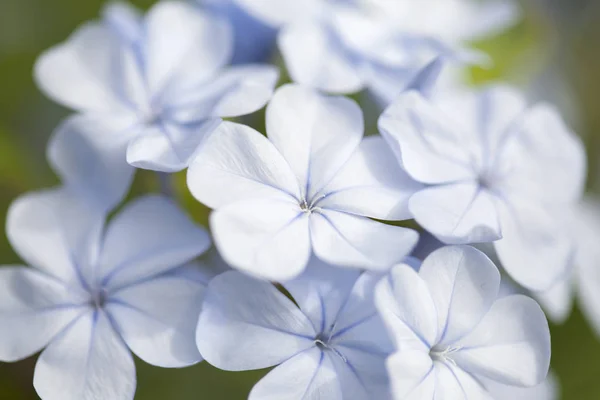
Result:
{"points": [[554, 54]]}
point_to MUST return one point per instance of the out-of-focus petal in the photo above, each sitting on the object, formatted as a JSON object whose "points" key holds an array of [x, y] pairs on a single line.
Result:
{"points": [[58, 233], [80, 73], [432, 147], [184, 43], [534, 250], [315, 57], [89, 155], [235, 91], [167, 146], [34, 308], [457, 213]]}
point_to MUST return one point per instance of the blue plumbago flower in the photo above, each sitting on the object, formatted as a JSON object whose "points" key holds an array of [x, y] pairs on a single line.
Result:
{"points": [[495, 170], [451, 331], [329, 344], [254, 40], [582, 280], [345, 45], [94, 293], [309, 186], [158, 82], [89, 162]]}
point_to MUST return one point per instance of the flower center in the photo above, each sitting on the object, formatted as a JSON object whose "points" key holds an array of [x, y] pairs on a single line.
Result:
{"points": [[99, 298], [443, 354], [323, 345], [310, 206]]}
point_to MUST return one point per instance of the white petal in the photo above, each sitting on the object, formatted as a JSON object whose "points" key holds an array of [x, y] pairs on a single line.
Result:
{"points": [[407, 308], [89, 155], [184, 43], [471, 386], [309, 375], [248, 324], [89, 361], [446, 383], [280, 12], [412, 375], [371, 183], [167, 146], [238, 163], [157, 319], [236, 91], [549, 389], [557, 301], [322, 291], [463, 283], [149, 236], [80, 73], [33, 309], [457, 213], [430, 144], [315, 57], [348, 240], [511, 345], [543, 159], [316, 134], [534, 250], [265, 238], [358, 325], [488, 18], [362, 374], [489, 114], [124, 19], [587, 231], [56, 232]]}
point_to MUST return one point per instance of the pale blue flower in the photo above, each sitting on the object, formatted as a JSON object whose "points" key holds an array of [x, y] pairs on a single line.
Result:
{"points": [[327, 342], [158, 82], [452, 333], [310, 186], [344, 46], [91, 294], [495, 169]]}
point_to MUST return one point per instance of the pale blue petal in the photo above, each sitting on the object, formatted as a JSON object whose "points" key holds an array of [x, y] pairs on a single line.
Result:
{"points": [[87, 361], [248, 324], [34, 308], [148, 237], [157, 318]]}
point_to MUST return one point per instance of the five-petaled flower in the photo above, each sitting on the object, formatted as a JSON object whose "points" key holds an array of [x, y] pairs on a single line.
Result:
{"points": [[94, 293], [329, 344], [308, 186], [155, 84], [494, 170], [451, 330]]}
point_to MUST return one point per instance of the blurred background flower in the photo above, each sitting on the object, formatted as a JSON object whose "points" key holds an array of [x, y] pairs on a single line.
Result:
{"points": [[553, 54]]}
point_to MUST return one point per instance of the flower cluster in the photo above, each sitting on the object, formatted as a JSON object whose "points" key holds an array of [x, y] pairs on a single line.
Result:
{"points": [[323, 281]]}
